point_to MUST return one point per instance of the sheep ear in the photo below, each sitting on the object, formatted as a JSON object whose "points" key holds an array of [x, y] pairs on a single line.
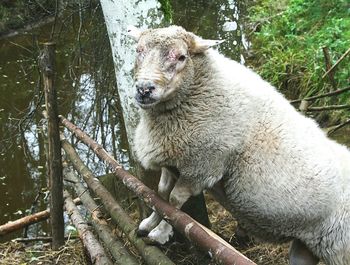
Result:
{"points": [[201, 45], [134, 32]]}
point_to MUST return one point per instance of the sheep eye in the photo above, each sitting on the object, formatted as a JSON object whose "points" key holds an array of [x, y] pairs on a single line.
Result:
{"points": [[182, 58]]}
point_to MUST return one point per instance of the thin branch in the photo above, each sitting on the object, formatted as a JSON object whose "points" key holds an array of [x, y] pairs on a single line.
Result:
{"points": [[329, 94], [337, 127], [331, 107], [336, 63]]}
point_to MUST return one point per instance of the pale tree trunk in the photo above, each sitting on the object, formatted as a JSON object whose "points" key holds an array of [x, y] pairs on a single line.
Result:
{"points": [[118, 16], [143, 14]]}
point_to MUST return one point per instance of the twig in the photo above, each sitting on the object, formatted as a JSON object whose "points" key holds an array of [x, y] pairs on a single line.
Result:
{"points": [[336, 63]]}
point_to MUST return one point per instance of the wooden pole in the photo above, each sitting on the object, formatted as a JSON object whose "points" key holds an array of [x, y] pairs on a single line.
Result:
{"points": [[223, 252], [47, 66], [92, 245], [105, 233], [151, 254], [25, 221]]}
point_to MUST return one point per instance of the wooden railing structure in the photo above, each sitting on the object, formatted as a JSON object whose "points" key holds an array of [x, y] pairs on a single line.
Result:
{"points": [[115, 251]]}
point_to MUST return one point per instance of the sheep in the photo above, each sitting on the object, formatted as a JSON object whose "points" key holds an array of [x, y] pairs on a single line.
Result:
{"points": [[210, 123]]}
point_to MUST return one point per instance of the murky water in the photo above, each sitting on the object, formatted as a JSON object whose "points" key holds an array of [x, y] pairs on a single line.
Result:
{"points": [[87, 91]]}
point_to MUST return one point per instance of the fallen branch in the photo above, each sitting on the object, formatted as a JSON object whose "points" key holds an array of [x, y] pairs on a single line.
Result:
{"points": [[331, 107], [203, 237], [12, 226], [329, 94], [96, 251], [39, 238], [151, 254], [337, 127], [105, 233], [336, 63]]}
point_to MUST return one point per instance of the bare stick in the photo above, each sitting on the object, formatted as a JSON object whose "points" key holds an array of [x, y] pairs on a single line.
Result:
{"points": [[203, 237], [20, 223], [116, 248], [96, 251], [337, 127], [151, 254], [336, 63], [331, 107], [329, 94], [47, 66], [39, 238]]}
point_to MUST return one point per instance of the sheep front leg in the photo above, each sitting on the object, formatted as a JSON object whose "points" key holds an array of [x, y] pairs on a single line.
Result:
{"points": [[166, 184], [179, 195]]}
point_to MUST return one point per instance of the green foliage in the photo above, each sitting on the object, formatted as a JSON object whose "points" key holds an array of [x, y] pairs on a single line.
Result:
{"points": [[167, 10], [288, 47]]}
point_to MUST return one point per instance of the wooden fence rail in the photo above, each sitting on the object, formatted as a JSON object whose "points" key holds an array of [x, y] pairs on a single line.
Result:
{"points": [[196, 233]]}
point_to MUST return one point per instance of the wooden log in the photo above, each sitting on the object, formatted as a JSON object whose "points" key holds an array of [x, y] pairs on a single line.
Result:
{"points": [[20, 223], [39, 238], [329, 94], [330, 107], [92, 245], [116, 248], [151, 254], [199, 235], [47, 66]]}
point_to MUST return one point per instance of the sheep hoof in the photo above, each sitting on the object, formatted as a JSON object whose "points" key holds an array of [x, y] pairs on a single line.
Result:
{"points": [[141, 233], [162, 233]]}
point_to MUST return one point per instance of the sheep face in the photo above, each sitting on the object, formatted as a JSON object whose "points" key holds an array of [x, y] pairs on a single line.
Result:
{"points": [[163, 65]]}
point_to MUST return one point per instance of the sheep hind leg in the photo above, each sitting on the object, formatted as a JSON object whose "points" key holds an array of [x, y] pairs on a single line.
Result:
{"points": [[299, 254]]}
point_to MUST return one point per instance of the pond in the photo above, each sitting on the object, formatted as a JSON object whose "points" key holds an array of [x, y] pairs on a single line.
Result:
{"points": [[87, 91]]}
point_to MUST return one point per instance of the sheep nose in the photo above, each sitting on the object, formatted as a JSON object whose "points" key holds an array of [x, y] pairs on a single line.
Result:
{"points": [[145, 88]]}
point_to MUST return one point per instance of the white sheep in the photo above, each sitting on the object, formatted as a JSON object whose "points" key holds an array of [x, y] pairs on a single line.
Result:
{"points": [[211, 123]]}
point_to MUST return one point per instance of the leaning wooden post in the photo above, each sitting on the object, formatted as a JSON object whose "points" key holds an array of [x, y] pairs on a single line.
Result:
{"points": [[54, 163]]}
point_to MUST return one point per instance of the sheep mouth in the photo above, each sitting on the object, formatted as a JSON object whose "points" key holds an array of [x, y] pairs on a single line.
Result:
{"points": [[145, 102]]}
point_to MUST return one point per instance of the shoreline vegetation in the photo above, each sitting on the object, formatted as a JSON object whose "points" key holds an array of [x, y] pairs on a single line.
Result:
{"points": [[295, 42]]}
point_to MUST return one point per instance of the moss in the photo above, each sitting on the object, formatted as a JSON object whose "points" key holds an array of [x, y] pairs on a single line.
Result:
{"points": [[288, 45]]}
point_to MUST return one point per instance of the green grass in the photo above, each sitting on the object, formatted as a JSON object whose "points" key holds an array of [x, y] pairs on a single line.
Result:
{"points": [[288, 47]]}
